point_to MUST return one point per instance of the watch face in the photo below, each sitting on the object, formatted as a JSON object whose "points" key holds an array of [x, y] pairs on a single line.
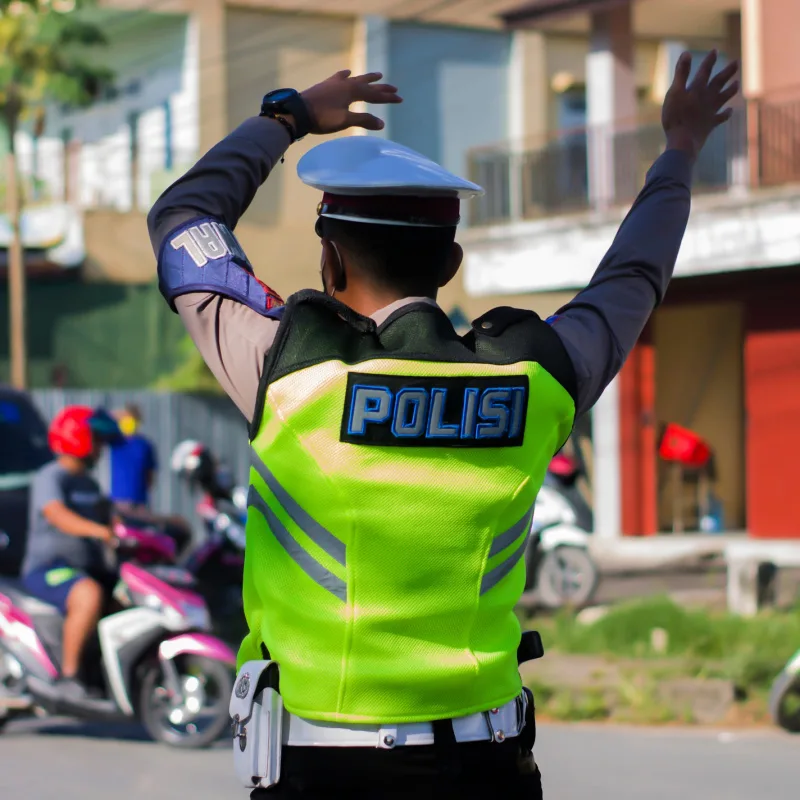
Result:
{"points": [[279, 96]]}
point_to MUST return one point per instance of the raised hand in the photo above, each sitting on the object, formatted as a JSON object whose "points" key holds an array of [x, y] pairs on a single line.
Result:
{"points": [[690, 113], [329, 102]]}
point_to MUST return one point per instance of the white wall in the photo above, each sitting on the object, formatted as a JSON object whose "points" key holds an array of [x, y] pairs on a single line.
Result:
{"points": [[156, 61]]}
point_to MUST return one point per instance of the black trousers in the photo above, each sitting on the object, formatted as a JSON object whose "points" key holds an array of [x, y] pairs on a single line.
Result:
{"points": [[479, 770]]}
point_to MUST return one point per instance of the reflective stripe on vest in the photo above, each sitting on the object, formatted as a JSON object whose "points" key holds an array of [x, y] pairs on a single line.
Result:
{"points": [[334, 547]]}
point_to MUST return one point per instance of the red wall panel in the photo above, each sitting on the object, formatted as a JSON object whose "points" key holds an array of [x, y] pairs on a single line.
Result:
{"points": [[637, 441], [772, 402]]}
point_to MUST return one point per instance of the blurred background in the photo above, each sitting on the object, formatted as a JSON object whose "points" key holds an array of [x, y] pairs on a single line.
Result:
{"points": [[670, 524]]}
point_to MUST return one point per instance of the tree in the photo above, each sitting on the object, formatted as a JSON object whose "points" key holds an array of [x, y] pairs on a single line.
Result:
{"points": [[43, 58], [191, 375]]}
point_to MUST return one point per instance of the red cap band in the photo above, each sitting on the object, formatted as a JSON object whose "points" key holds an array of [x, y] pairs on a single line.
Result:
{"points": [[428, 211]]}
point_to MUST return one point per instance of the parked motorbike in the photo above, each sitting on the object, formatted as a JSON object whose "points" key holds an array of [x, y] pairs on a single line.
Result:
{"points": [[784, 697], [152, 660], [563, 475], [561, 571]]}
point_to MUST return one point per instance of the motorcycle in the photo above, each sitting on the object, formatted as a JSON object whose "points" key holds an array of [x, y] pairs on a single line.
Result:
{"points": [[562, 476], [152, 659], [218, 564], [560, 568], [212, 567], [784, 696]]}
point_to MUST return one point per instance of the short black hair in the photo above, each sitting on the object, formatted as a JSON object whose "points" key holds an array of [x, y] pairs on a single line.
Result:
{"points": [[406, 259]]}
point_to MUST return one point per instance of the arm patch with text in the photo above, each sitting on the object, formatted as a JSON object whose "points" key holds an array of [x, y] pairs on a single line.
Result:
{"points": [[203, 255], [405, 411]]}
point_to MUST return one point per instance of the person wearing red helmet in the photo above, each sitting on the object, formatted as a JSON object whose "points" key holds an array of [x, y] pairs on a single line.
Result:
{"points": [[65, 562]]}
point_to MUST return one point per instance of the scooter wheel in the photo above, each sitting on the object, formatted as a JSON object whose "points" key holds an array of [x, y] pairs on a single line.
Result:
{"points": [[200, 715], [784, 701], [567, 576]]}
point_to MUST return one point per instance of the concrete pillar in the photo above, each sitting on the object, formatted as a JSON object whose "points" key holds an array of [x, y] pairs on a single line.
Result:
{"points": [[212, 72], [738, 161], [536, 87], [371, 54], [607, 464], [610, 99], [516, 123], [769, 47]]}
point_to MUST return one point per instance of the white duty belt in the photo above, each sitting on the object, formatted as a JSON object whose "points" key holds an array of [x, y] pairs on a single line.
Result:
{"points": [[261, 725], [496, 725]]}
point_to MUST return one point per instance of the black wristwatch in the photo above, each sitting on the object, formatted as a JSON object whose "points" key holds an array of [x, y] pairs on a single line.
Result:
{"points": [[287, 101]]}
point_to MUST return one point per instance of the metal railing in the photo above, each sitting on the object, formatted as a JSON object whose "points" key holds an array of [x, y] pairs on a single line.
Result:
{"points": [[775, 132], [598, 167], [86, 178]]}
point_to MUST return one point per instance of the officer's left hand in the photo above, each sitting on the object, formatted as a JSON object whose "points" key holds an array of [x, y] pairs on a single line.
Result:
{"points": [[329, 102]]}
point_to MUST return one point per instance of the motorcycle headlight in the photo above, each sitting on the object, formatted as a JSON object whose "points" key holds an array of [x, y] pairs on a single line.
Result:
{"points": [[552, 508], [185, 616], [153, 601], [189, 616]]}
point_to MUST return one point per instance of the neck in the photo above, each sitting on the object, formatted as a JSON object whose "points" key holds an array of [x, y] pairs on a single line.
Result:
{"points": [[72, 464], [368, 301]]}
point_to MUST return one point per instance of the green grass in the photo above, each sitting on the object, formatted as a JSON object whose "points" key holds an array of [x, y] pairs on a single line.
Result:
{"points": [[749, 651]]}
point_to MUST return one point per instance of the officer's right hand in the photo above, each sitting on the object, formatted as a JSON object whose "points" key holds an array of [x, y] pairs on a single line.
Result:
{"points": [[329, 102], [691, 113]]}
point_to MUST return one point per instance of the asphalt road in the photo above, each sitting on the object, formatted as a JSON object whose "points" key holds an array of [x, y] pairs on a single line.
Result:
{"points": [[52, 760]]}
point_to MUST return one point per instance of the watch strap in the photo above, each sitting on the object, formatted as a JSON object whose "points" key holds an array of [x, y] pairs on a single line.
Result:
{"points": [[293, 105], [283, 121]]}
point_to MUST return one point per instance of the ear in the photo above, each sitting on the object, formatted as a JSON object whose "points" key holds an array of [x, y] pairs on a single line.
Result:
{"points": [[332, 267], [453, 263]]}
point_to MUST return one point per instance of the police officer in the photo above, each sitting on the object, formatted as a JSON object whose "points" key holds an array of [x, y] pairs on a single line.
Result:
{"points": [[396, 464]]}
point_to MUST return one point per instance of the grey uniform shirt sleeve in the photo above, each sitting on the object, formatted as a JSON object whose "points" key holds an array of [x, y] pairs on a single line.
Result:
{"points": [[47, 486], [601, 325], [232, 338]]}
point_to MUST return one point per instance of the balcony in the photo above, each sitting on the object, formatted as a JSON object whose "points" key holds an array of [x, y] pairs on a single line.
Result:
{"points": [[759, 147]]}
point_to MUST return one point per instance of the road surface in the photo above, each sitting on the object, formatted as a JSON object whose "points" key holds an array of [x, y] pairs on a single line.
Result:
{"points": [[40, 761]]}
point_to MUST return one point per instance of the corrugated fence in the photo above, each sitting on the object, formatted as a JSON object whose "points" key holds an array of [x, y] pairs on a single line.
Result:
{"points": [[167, 420]]}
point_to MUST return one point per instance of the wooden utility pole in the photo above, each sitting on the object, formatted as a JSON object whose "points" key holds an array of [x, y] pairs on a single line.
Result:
{"points": [[16, 280]]}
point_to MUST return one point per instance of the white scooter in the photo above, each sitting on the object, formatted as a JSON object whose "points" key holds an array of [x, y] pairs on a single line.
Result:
{"points": [[784, 697], [561, 571]]}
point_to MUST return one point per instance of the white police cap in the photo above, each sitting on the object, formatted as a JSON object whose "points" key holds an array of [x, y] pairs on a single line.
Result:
{"points": [[370, 179]]}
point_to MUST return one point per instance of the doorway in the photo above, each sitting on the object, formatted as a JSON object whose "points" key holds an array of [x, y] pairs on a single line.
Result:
{"points": [[699, 384]]}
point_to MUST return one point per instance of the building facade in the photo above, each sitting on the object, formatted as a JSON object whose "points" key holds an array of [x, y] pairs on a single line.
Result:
{"points": [[186, 73], [554, 108], [722, 354]]}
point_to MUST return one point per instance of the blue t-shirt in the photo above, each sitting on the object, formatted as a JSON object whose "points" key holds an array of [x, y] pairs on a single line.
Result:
{"points": [[131, 463]]}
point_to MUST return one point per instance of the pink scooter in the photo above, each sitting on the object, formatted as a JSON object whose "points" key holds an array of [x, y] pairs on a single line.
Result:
{"points": [[153, 660]]}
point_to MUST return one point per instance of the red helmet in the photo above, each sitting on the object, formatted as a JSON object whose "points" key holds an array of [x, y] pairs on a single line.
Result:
{"points": [[70, 432]]}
